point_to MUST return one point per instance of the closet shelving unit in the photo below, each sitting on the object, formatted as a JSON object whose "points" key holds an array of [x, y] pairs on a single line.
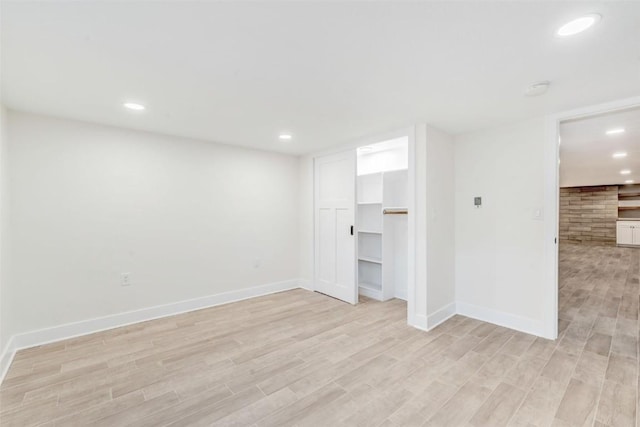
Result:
{"points": [[382, 248], [629, 201]]}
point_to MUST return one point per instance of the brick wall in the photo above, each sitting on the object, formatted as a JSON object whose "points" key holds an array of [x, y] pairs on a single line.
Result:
{"points": [[588, 215]]}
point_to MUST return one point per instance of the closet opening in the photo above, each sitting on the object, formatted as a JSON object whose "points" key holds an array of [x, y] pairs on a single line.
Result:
{"points": [[382, 223]]}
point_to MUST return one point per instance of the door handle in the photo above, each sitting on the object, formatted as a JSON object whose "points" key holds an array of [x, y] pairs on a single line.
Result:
{"points": [[352, 230]]}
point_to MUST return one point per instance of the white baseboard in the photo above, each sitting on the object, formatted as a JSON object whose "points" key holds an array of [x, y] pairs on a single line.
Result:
{"points": [[305, 284], [90, 326], [512, 321], [420, 322], [401, 295], [441, 315], [6, 358], [370, 293]]}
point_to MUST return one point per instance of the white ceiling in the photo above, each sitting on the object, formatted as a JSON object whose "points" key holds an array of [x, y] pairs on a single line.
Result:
{"points": [[586, 150], [328, 72]]}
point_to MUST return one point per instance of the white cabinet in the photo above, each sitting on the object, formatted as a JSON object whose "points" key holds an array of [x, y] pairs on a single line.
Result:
{"points": [[628, 233]]}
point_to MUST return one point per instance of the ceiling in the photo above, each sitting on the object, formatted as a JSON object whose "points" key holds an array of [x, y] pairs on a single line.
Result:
{"points": [[586, 151], [328, 72]]}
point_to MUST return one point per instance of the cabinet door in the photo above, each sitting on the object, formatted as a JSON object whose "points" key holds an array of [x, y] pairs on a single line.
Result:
{"points": [[625, 235]]}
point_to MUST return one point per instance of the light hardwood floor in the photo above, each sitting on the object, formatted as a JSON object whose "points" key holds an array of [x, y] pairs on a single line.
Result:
{"points": [[299, 358]]}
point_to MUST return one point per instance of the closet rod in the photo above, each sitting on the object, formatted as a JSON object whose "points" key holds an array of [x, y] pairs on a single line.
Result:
{"points": [[394, 211]]}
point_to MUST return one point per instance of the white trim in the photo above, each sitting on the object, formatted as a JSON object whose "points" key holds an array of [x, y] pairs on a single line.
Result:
{"points": [[305, 284], [551, 203], [508, 320], [90, 326], [441, 315], [420, 322], [401, 294], [410, 297], [416, 262], [6, 358], [370, 293], [551, 222]]}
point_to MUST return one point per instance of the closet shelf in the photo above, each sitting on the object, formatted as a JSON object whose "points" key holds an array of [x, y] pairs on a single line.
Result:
{"points": [[369, 203], [372, 260], [369, 232], [371, 286]]}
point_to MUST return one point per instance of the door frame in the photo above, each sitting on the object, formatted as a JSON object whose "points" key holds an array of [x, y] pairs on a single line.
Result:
{"points": [[552, 201], [410, 134]]}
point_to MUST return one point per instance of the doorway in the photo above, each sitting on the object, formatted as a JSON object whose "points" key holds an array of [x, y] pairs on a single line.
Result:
{"points": [[590, 193], [382, 219], [375, 187]]}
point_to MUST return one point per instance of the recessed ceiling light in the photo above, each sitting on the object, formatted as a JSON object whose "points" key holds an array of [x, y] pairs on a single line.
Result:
{"points": [[615, 131], [285, 136], [578, 25], [625, 172], [619, 155], [133, 106], [629, 181]]}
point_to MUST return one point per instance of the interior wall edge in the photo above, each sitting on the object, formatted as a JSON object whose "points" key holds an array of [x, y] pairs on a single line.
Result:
{"points": [[89, 326]]}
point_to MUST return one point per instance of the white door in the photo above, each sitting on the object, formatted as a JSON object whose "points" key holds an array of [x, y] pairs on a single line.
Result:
{"points": [[334, 182]]}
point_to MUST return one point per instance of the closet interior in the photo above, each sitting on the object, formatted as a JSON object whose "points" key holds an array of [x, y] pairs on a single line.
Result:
{"points": [[382, 225]]}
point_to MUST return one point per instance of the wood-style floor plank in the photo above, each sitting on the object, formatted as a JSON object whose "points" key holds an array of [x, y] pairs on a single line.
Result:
{"points": [[303, 359]]}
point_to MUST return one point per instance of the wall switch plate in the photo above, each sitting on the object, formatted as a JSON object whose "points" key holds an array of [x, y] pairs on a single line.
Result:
{"points": [[477, 201], [125, 279], [537, 214]]}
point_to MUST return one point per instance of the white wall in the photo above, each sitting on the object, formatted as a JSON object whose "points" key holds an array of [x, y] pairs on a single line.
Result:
{"points": [[4, 229], [186, 218], [500, 247], [440, 226]]}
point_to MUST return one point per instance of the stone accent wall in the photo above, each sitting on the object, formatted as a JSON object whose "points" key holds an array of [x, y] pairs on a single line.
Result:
{"points": [[588, 215]]}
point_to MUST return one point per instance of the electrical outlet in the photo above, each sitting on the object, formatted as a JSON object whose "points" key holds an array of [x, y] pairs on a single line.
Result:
{"points": [[125, 279]]}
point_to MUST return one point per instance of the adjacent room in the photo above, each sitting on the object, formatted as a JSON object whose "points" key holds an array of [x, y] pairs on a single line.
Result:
{"points": [[599, 260], [319, 213]]}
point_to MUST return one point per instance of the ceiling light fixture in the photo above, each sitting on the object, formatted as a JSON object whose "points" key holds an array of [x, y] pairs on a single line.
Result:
{"points": [[629, 181], [133, 106], [625, 172], [619, 155], [578, 25], [615, 131], [285, 136]]}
